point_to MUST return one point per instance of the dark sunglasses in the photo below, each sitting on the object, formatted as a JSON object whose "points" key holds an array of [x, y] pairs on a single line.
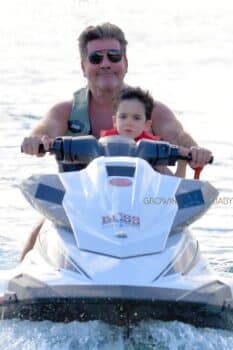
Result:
{"points": [[96, 57]]}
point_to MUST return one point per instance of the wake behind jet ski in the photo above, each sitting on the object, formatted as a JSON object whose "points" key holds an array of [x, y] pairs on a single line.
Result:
{"points": [[116, 246]]}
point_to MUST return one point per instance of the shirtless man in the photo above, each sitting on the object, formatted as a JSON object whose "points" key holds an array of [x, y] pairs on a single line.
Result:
{"points": [[104, 64]]}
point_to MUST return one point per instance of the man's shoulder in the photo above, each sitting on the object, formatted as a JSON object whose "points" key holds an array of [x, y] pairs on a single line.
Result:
{"points": [[161, 110], [163, 119], [165, 124]]}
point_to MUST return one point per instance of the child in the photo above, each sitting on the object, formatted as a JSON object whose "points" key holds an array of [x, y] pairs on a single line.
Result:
{"points": [[133, 108]]}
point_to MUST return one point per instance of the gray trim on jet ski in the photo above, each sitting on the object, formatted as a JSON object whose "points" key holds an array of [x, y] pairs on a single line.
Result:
{"points": [[26, 287], [45, 193], [193, 198], [28, 298]]}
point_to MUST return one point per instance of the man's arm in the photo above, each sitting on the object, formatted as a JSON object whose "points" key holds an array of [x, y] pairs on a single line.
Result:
{"points": [[165, 124], [168, 127], [52, 125]]}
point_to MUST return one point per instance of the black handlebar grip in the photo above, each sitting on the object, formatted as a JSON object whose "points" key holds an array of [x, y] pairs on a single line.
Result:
{"points": [[189, 158], [41, 149], [211, 160]]}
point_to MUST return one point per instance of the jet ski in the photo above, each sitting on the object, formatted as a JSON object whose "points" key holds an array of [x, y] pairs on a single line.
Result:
{"points": [[116, 244]]}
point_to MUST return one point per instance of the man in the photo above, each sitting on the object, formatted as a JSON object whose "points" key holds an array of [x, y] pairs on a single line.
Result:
{"points": [[104, 64]]}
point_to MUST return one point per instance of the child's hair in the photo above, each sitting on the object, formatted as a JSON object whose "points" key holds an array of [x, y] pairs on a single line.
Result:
{"points": [[131, 93]]}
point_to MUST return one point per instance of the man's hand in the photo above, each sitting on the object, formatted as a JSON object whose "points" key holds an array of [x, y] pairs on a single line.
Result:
{"points": [[200, 157], [184, 151], [31, 144]]}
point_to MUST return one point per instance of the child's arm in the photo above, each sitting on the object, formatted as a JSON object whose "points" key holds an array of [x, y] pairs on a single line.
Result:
{"points": [[182, 164], [163, 170], [181, 168]]}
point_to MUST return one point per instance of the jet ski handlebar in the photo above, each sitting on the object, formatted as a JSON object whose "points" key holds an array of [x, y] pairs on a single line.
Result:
{"points": [[83, 149]]}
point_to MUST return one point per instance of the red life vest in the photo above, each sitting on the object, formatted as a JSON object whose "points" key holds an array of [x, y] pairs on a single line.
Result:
{"points": [[143, 135]]}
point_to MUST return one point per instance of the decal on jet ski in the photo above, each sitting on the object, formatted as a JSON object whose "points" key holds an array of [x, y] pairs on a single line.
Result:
{"points": [[49, 194], [121, 218], [118, 170], [190, 199], [120, 182]]}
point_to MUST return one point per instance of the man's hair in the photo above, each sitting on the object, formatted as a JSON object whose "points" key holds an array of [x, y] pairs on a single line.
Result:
{"points": [[135, 93], [101, 31]]}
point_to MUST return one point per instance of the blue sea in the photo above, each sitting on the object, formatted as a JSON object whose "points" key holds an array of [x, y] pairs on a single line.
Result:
{"points": [[182, 52]]}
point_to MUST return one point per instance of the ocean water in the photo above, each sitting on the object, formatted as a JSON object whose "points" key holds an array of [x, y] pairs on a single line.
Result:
{"points": [[182, 53]]}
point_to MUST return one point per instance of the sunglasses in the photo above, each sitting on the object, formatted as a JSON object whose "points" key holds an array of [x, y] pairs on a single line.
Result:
{"points": [[96, 57]]}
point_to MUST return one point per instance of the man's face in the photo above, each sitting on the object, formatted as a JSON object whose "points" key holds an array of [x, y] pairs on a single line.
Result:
{"points": [[104, 75]]}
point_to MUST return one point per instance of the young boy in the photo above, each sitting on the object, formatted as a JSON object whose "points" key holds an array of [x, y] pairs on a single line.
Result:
{"points": [[132, 118]]}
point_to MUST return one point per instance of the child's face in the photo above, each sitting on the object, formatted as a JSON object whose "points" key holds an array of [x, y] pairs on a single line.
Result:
{"points": [[130, 119]]}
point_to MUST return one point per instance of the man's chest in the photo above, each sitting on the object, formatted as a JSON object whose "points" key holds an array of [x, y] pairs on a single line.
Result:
{"points": [[100, 119]]}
